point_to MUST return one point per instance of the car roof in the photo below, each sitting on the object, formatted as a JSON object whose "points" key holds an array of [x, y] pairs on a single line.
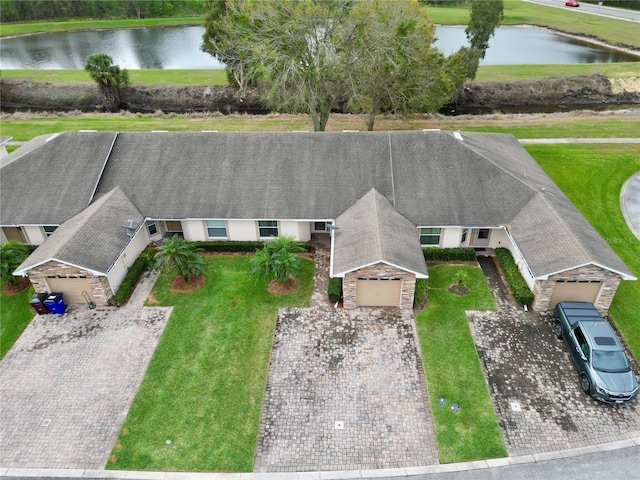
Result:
{"points": [[601, 335]]}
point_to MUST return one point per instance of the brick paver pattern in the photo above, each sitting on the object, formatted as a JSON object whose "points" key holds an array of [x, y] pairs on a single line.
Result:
{"points": [[346, 391], [68, 382], [534, 385]]}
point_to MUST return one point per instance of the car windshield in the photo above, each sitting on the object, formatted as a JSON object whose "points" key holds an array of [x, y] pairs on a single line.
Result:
{"points": [[610, 361]]}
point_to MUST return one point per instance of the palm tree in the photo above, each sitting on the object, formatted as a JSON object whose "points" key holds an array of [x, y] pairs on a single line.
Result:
{"points": [[109, 77], [278, 259], [12, 254], [183, 255]]}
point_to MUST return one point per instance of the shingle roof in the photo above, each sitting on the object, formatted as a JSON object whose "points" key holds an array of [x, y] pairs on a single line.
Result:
{"points": [[52, 179], [432, 178], [372, 231], [93, 239]]}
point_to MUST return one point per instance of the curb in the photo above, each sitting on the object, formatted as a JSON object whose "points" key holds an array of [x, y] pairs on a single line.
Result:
{"points": [[323, 475]]}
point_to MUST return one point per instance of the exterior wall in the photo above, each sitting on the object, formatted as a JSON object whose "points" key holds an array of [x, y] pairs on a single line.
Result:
{"points": [[450, 237], [129, 255], [246, 230], [300, 231], [379, 270], [194, 230], [34, 235], [499, 238], [543, 289], [100, 290]]}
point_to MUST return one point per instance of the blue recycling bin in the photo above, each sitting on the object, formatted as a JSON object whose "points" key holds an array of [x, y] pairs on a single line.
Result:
{"points": [[55, 303]]}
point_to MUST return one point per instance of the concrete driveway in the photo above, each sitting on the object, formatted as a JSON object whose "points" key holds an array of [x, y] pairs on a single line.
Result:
{"points": [[346, 391], [69, 380], [534, 385]]}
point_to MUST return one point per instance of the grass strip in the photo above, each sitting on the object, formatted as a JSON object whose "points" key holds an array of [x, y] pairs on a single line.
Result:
{"points": [[16, 314], [199, 405], [592, 177], [453, 369]]}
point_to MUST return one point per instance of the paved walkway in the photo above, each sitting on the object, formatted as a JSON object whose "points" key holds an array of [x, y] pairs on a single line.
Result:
{"points": [[534, 386], [346, 390], [69, 380], [630, 203]]}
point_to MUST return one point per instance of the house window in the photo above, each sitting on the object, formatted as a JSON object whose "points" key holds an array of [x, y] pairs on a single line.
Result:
{"points": [[216, 228], [152, 227], [430, 236], [49, 229], [465, 232], [483, 233], [319, 226], [268, 228]]}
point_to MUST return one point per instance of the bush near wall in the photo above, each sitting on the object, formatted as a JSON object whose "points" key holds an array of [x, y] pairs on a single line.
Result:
{"points": [[421, 291], [449, 254], [142, 264], [233, 246], [334, 289], [519, 287]]}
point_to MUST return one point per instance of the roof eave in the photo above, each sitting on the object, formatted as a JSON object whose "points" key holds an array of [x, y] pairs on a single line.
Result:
{"points": [[625, 276]]}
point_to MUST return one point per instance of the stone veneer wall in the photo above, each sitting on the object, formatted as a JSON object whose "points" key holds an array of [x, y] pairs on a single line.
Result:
{"points": [[379, 270], [100, 289], [543, 289]]}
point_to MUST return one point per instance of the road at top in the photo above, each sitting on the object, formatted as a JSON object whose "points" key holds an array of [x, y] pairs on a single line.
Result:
{"points": [[611, 12]]}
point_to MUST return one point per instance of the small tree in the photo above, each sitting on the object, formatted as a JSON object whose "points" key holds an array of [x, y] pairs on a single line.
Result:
{"points": [[277, 259], [183, 255], [12, 254], [109, 77]]}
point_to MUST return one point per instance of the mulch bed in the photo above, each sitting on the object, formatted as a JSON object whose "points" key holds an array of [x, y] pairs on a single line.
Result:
{"points": [[459, 290], [279, 288], [179, 285], [22, 284]]}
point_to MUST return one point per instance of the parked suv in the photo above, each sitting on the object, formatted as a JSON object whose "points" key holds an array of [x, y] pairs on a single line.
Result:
{"points": [[597, 352]]}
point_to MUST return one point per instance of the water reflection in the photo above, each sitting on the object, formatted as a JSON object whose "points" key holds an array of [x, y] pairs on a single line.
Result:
{"points": [[179, 48]]}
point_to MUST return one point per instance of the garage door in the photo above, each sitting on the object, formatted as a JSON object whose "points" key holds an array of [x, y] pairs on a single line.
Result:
{"points": [[378, 293], [71, 288], [575, 292]]}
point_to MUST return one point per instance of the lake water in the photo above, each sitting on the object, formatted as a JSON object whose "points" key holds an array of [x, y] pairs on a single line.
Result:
{"points": [[179, 48]]}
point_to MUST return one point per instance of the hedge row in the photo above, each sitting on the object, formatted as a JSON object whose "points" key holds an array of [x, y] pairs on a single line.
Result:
{"points": [[519, 287], [335, 289], [142, 263], [233, 246], [421, 290], [449, 254]]}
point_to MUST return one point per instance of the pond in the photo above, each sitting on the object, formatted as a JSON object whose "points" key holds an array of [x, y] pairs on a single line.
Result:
{"points": [[179, 48]]}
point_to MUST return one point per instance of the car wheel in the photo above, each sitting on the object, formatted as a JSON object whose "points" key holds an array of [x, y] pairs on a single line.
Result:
{"points": [[585, 384], [557, 329]]}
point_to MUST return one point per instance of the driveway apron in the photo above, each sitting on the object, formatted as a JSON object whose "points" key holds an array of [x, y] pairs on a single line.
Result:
{"points": [[346, 390], [68, 382], [534, 385]]}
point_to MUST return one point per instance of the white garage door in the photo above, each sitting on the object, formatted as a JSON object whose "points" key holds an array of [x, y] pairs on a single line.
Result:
{"points": [[71, 288], [378, 293], [575, 292]]}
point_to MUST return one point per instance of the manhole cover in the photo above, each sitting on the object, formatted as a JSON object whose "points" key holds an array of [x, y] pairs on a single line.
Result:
{"points": [[515, 406]]}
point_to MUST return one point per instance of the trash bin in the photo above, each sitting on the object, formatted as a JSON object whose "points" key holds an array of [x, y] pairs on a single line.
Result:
{"points": [[55, 303], [37, 303]]}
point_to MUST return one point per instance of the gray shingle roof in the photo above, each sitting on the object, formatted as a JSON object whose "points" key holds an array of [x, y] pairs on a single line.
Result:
{"points": [[93, 239], [52, 179], [432, 178], [372, 231]]}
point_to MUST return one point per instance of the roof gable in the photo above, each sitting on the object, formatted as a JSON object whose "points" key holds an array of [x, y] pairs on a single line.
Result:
{"points": [[93, 239], [372, 231]]}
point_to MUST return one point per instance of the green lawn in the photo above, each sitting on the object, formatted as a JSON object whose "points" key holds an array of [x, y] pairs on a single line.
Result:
{"points": [[592, 176], [15, 315], [205, 384], [453, 369]]}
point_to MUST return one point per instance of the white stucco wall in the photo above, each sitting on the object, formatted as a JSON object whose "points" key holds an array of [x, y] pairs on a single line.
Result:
{"points": [[450, 237], [3, 238], [129, 255], [298, 230], [194, 230], [35, 235], [499, 238], [242, 230]]}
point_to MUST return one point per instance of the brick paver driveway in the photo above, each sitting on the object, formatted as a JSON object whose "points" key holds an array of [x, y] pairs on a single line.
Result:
{"points": [[68, 382], [346, 390], [535, 386]]}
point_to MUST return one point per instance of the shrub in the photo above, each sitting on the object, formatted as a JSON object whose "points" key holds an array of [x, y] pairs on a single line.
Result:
{"points": [[449, 254], [334, 289], [421, 291], [241, 246], [518, 286], [142, 263]]}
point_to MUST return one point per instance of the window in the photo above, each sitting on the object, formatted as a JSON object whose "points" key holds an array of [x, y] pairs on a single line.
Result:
{"points": [[483, 233], [319, 226], [430, 236], [268, 228], [216, 228], [49, 229], [152, 227], [465, 231]]}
